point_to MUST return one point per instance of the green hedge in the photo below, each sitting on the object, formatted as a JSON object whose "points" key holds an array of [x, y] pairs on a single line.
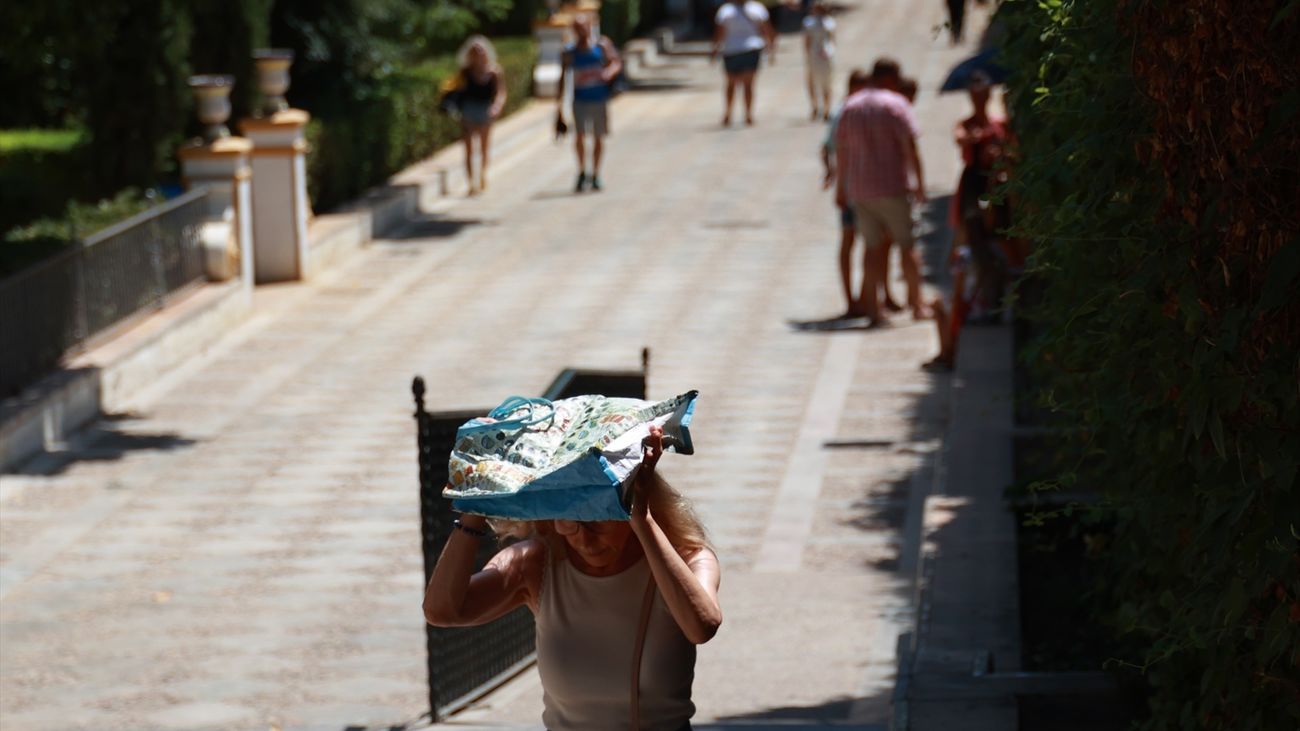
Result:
{"points": [[619, 19], [28, 244], [363, 143], [1157, 178], [40, 169]]}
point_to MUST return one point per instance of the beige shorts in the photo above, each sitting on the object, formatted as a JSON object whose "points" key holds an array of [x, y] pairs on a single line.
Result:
{"points": [[591, 118], [878, 215], [819, 72]]}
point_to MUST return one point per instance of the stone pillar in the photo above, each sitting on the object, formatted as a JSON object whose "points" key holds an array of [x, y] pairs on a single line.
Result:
{"points": [[550, 46], [223, 167], [280, 204]]}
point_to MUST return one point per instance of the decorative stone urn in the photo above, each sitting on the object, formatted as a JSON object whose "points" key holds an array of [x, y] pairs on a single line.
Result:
{"points": [[212, 102], [273, 77]]}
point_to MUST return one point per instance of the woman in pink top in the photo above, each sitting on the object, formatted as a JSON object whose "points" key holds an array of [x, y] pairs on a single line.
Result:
{"points": [[588, 584]]}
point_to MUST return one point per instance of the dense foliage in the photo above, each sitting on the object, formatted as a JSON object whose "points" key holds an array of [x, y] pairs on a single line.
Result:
{"points": [[1160, 164], [25, 245], [117, 69]]}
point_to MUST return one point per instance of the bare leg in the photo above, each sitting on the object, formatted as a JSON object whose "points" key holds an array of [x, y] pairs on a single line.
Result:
{"points": [[730, 94], [883, 263], [868, 299], [468, 137], [483, 146], [947, 346], [912, 273], [580, 145], [597, 152], [847, 235], [747, 80], [812, 95]]}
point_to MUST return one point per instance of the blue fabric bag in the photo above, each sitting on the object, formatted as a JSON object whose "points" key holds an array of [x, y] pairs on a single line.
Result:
{"points": [[574, 459]]}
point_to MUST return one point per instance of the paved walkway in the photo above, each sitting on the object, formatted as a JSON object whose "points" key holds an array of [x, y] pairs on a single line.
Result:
{"points": [[242, 551]]}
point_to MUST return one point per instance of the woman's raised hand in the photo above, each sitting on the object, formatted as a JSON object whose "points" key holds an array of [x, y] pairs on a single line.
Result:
{"points": [[652, 448]]}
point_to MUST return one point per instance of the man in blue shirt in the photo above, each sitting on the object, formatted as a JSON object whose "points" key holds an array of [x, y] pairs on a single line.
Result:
{"points": [[594, 66]]}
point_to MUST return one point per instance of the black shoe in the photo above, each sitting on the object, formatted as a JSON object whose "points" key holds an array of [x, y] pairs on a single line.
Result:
{"points": [[595, 182], [582, 183]]}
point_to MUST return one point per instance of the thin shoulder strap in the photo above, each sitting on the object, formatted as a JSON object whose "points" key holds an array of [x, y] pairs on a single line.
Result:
{"points": [[642, 625]]}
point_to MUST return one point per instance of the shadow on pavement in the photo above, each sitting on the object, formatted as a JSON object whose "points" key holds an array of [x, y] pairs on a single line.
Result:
{"points": [[832, 324], [654, 86], [933, 241], [435, 227], [550, 195], [836, 714], [99, 442]]}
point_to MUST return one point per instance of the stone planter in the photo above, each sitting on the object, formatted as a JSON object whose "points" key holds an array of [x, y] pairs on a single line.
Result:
{"points": [[273, 77], [212, 104]]}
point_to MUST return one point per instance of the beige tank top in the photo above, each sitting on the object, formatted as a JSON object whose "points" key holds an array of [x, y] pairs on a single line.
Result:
{"points": [[586, 634]]}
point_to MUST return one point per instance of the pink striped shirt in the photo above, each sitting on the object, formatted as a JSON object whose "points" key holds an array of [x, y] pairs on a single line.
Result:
{"points": [[870, 141]]}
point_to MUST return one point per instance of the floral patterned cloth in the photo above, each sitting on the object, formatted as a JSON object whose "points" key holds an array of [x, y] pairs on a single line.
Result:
{"points": [[573, 459]]}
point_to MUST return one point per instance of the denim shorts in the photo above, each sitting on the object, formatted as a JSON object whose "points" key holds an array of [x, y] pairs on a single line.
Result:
{"points": [[742, 63], [475, 113]]}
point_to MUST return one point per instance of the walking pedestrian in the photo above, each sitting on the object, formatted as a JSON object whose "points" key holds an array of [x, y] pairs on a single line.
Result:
{"points": [[595, 588], [956, 20], [743, 29], [819, 54], [907, 86], [982, 139], [482, 97], [595, 64], [875, 150], [858, 80]]}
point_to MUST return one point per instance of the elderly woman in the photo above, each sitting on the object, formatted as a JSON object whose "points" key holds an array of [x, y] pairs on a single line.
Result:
{"points": [[482, 97], [619, 605]]}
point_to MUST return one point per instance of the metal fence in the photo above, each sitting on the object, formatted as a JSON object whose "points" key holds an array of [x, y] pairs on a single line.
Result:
{"points": [[62, 302], [464, 663]]}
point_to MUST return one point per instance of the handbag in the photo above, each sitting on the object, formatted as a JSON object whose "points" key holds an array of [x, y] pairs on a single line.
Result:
{"points": [[573, 459], [453, 92]]}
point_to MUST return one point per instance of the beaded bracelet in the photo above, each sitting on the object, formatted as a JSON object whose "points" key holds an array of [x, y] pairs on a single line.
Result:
{"points": [[476, 532]]}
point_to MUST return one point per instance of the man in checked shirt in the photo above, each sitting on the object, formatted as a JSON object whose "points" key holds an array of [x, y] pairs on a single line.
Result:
{"points": [[880, 174]]}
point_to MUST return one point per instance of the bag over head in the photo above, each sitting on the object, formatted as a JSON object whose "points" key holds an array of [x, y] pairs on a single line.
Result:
{"points": [[572, 459]]}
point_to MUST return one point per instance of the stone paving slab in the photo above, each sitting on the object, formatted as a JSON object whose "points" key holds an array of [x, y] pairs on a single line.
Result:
{"points": [[249, 556]]}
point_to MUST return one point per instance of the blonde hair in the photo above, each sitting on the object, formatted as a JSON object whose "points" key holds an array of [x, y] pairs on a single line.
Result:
{"points": [[672, 511], [489, 50]]}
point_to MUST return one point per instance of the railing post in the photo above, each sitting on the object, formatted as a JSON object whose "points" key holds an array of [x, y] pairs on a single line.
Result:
{"points": [[79, 273], [156, 259]]}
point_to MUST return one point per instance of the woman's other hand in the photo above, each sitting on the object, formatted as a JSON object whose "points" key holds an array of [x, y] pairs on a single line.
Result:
{"points": [[652, 448]]}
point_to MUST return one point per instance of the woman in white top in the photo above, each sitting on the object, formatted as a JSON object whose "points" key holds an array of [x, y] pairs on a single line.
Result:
{"points": [[742, 30], [589, 585], [819, 50]]}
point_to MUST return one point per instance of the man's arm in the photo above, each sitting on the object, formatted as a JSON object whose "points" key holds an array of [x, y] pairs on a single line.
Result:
{"points": [[908, 132], [914, 159], [613, 61], [843, 128], [559, 89]]}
